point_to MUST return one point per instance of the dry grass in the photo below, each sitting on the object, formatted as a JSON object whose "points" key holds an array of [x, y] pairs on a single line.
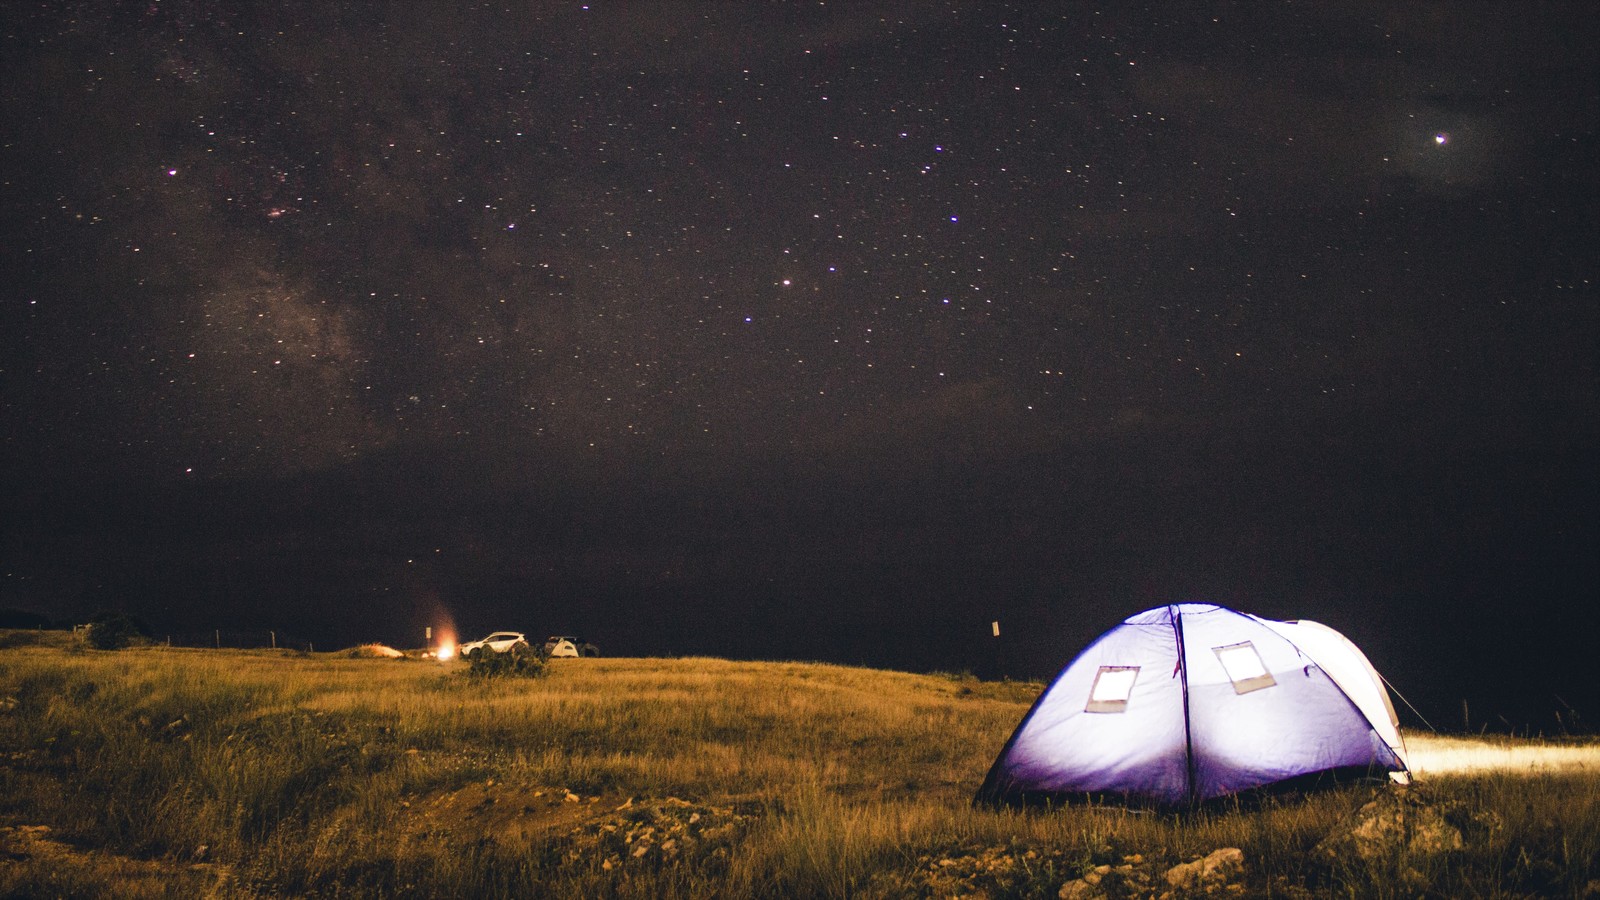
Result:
{"points": [[260, 773]]}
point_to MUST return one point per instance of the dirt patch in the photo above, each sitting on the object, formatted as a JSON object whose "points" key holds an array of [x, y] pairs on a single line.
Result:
{"points": [[374, 651], [34, 860], [609, 830], [495, 809]]}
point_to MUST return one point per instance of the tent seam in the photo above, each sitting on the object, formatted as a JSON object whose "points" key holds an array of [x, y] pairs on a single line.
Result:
{"points": [[1183, 676]]}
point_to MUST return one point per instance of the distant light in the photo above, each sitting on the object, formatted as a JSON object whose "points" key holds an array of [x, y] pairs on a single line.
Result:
{"points": [[171, 172], [1441, 139], [954, 219]]}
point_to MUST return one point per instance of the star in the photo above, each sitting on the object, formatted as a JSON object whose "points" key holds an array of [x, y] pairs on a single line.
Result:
{"points": [[260, 273]]}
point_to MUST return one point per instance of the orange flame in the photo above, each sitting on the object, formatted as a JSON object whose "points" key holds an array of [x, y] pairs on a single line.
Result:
{"points": [[447, 642]]}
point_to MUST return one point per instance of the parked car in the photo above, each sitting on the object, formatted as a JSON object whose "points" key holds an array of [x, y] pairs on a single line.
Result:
{"points": [[570, 647], [499, 642]]}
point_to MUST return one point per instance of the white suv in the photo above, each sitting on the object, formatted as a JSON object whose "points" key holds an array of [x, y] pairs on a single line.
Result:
{"points": [[499, 642]]}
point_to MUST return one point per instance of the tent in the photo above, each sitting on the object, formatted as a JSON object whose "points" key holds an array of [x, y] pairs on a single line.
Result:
{"points": [[1187, 703]]}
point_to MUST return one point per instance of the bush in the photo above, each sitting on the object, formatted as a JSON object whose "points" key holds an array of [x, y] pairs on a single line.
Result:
{"points": [[521, 661], [9, 639], [111, 631]]}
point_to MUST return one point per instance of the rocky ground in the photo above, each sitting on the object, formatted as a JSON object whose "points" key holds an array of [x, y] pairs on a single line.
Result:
{"points": [[1398, 828]]}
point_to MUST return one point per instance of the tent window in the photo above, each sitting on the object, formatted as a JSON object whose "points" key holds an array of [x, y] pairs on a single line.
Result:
{"points": [[1113, 685], [1244, 667]]}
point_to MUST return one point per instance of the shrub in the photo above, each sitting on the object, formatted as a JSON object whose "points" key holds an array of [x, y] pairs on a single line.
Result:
{"points": [[521, 661], [111, 631]]}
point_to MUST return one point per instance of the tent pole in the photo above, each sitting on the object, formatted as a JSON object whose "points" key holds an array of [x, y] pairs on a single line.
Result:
{"points": [[1188, 739]]}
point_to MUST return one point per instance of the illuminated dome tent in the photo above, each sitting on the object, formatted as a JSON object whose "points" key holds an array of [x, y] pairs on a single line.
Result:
{"points": [[1190, 702]]}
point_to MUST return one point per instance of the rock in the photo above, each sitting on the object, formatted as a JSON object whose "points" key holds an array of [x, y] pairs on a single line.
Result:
{"points": [[1397, 819], [1220, 867], [1080, 890]]}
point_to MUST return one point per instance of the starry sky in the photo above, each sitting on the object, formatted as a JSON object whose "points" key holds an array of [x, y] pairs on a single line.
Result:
{"points": [[811, 330]]}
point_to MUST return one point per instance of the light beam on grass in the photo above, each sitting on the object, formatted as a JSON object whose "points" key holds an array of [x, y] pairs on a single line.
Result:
{"points": [[1440, 755]]}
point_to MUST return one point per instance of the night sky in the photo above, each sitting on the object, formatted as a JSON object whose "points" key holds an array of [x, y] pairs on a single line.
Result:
{"points": [[812, 330]]}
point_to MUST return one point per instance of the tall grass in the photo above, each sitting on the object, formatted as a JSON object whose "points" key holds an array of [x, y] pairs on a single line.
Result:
{"points": [[280, 773]]}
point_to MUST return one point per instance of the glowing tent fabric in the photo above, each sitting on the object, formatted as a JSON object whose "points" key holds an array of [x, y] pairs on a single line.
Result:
{"points": [[1187, 703], [1350, 669]]}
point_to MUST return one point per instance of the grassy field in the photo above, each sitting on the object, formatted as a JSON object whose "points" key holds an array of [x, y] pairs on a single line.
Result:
{"points": [[185, 773]]}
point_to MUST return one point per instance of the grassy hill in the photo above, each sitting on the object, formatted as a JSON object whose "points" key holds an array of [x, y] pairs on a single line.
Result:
{"points": [[166, 772]]}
